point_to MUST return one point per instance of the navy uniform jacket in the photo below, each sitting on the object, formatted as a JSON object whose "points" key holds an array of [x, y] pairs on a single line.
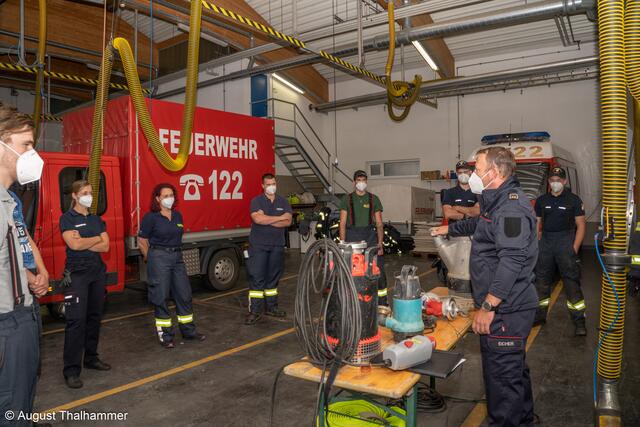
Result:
{"points": [[504, 249]]}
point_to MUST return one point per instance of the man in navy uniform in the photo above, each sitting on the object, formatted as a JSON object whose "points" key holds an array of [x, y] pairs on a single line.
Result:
{"points": [[503, 257], [561, 228], [460, 202], [271, 215]]}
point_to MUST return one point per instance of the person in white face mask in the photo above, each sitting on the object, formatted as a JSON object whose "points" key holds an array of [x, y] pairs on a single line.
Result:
{"points": [[361, 219], [271, 215], [561, 229], [19, 325], [503, 257], [86, 238], [160, 242], [460, 202]]}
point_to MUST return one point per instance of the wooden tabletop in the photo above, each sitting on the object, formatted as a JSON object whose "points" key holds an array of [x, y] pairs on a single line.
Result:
{"points": [[382, 381]]}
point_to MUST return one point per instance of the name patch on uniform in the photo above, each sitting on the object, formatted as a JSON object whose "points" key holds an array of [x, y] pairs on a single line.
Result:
{"points": [[366, 205], [512, 226], [81, 225], [513, 196], [505, 344], [180, 225], [279, 209]]}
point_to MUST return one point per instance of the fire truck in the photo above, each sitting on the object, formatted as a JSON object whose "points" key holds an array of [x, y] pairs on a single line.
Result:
{"points": [[535, 156], [229, 154]]}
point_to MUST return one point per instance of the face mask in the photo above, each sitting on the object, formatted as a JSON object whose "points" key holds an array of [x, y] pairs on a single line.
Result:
{"points": [[476, 184], [270, 189], [167, 202], [86, 200], [463, 178], [29, 166], [556, 187], [361, 186]]}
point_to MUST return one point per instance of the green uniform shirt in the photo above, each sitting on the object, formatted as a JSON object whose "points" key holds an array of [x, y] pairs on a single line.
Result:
{"points": [[361, 208]]}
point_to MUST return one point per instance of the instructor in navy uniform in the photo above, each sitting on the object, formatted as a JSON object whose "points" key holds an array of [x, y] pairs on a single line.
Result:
{"points": [[271, 215], [561, 224], [503, 257], [86, 238]]}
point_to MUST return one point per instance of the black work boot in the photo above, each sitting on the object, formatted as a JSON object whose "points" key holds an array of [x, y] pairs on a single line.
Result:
{"points": [[276, 313], [252, 318], [581, 329]]}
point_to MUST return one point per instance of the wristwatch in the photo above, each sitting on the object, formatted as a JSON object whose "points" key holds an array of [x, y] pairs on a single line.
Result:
{"points": [[486, 306]]}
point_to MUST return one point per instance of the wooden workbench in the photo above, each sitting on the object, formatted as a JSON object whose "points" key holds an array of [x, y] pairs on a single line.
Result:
{"points": [[382, 381]]}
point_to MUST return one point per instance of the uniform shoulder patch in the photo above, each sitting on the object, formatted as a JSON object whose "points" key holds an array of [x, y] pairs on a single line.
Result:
{"points": [[513, 196], [512, 226]]}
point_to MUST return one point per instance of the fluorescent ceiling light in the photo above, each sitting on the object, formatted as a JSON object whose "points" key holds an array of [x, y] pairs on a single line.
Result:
{"points": [[425, 55], [206, 36], [97, 68], [287, 83]]}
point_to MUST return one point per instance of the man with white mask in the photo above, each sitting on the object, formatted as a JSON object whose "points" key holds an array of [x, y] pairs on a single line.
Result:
{"points": [[561, 229], [271, 215], [503, 257], [361, 219], [460, 202], [18, 314]]}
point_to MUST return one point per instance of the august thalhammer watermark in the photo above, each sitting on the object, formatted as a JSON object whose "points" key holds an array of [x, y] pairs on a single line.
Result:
{"points": [[37, 417]]}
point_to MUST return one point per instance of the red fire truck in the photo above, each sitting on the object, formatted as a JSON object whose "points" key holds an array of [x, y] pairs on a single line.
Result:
{"points": [[229, 154], [535, 156]]}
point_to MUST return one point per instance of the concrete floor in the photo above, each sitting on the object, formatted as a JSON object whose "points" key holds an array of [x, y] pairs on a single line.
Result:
{"points": [[227, 380]]}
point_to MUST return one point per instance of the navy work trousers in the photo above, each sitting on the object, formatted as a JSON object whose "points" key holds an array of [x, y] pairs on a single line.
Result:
{"points": [[83, 304], [506, 375]]}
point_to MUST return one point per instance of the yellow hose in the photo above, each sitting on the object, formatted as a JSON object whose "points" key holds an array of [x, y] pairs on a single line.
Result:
{"points": [[137, 97], [42, 46], [632, 46], [613, 94], [399, 93]]}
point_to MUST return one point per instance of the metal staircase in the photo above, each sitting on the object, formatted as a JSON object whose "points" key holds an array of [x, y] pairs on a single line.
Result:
{"points": [[299, 163], [304, 154]]}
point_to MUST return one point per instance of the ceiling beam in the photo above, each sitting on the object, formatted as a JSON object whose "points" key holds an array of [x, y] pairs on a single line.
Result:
{"points": [[73, 24], [436, 48], [315, 85]]}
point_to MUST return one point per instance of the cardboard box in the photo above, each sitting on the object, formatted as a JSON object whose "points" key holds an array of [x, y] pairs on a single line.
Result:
{"points": [[430, 175]]}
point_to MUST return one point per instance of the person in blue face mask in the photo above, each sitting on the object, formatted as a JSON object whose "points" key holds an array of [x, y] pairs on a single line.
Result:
{"points": [[503, 257]]}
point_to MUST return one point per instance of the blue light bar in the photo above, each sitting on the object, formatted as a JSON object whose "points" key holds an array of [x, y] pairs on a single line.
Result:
{"points": [[516, 137]]}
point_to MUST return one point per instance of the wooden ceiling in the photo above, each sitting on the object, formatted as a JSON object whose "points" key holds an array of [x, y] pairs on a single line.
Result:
{"points": [[75, 38]]}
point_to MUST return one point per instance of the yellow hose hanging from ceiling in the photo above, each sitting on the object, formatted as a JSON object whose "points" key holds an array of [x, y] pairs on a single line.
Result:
{"points": [[42, 46], [613, 95], [399, 93], [144, 118]]}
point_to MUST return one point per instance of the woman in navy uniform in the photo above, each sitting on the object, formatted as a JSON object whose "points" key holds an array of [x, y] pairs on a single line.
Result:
{"points": [[86, 238], [160, 241]]}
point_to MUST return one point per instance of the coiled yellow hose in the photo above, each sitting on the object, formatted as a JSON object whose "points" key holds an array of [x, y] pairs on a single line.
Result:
{"points": [[613, 95], [42, 47], [399, 93], [632, 46], [144, 118]]}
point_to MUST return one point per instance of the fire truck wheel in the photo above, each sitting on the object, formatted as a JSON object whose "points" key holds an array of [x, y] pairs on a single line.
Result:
{"points": [[223, 270]]}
